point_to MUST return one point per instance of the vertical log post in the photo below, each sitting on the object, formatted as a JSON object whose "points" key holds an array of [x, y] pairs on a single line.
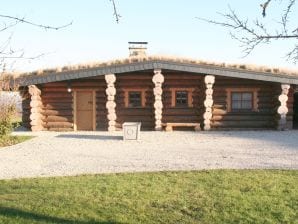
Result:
{"points": [[283, 109], [208, 103], [158, 80], [35, 108], [111, 105]]}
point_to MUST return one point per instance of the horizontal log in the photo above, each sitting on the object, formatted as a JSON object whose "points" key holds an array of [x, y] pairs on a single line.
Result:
{"points": [[36, 110], [60, 129], [95, 84], [36, 122], [36, 116], [112, 116], [110, 78], [55, 84], [55, 89], [58, 125], [36, 104], [242, 124], [168, 112], [58, 100], [37, 98], [181, 119], [34, 91], [36, 128], [58, 106], [242, 118], [59, 119], [56, 95], [58, 113], [143, 118]]}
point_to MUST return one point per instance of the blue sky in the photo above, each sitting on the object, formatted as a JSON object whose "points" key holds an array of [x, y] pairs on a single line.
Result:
{"points": [[169, 26]]}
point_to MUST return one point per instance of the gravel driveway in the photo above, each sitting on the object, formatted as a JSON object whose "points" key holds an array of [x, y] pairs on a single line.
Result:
{"points": [[59, 154]]}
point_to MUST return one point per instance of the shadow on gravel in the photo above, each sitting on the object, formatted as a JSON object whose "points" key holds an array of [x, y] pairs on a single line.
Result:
{"points": [[283, 139], [95, 137]]}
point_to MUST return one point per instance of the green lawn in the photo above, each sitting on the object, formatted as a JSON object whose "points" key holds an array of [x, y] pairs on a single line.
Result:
{"points": [[219, 196], [12, 140]]}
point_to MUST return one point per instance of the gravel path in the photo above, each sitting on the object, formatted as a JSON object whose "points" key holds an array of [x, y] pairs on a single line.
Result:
{"points": [[62, 154]]}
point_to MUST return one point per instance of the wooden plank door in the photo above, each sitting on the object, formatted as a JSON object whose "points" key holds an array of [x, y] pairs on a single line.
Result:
{"points": [[85, 110]]}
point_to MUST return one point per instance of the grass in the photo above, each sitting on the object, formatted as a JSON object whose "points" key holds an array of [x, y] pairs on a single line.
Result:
{"points": [[217, 196], [249, 67], [12, 140]]}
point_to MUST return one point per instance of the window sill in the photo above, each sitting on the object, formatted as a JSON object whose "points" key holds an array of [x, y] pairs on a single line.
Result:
{"points": [[182, 107], [136, 107], [242, 111]]}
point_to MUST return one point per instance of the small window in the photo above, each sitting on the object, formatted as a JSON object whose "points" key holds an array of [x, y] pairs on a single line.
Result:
{"points": [[242, 101], [134, 99], [181, 98]]}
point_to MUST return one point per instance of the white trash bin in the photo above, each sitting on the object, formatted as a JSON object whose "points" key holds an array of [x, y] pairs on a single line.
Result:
{"points": [[131, 130]]}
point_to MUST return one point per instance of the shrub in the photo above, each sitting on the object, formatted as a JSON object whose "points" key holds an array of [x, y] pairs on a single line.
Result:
{"points": [[7, 111], [6, 114]]}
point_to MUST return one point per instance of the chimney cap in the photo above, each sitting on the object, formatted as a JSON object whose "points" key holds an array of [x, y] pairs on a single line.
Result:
{"points": [[137, 48], [137, 42]]}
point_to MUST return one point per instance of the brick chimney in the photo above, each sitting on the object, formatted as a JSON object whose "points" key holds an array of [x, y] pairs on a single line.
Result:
{"points": [[137, 49]]}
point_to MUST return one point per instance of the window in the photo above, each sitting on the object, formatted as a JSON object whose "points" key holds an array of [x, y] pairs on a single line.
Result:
{"points": [[134, 99], [181, 98], [242, 99]]}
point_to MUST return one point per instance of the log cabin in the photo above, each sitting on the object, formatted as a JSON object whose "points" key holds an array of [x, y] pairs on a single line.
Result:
{"points": [[159, 91]]}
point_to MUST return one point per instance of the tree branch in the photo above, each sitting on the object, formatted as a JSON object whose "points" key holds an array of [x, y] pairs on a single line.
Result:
{"points": [[23, 20], [264, 6], [116, 14], [254, 33]]}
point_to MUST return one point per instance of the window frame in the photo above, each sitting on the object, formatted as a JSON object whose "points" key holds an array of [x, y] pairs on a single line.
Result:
{"points": [[143, 97], [241, 101], [189, 97], [255, 100]]}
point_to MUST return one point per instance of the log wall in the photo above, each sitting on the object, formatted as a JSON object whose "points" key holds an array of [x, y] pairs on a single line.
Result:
{"points": [[266, 116], [125, 114], [26, 109], [295, 110], [58, 103], [290, 105], [185, 114]]}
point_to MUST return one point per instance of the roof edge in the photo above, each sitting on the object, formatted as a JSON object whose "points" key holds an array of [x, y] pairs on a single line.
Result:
{"points": [[157, 64]]}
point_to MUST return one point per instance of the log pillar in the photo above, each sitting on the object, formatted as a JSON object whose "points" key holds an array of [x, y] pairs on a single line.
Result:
{"points": [[35, 108], [208, 103], [110, 104], [283, 108], [158, 80]]}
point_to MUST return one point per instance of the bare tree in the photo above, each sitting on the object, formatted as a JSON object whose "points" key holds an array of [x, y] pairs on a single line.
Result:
{"points": [[252, 33], [116, 14], [6, 50], [9, 55]]}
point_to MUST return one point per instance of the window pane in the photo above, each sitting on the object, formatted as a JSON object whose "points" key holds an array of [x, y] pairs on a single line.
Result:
{"points": [[247, 96], [242, 101], [236, 104], [236, 96], [246, 104], [181, 98], [135, 99]]}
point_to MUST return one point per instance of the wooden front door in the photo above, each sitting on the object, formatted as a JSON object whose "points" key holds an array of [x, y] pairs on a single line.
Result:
{"points": [[85, 110]]}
